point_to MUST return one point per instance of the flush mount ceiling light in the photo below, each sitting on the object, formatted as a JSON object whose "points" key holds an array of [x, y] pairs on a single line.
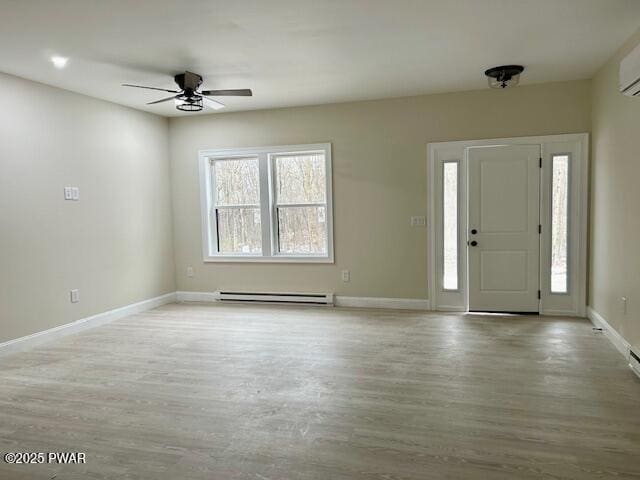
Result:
{"points": [[59, 62], [504, 76]]}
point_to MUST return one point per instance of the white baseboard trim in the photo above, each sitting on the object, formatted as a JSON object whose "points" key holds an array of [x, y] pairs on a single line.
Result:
{"points": [[196, 297], [614, 337], [339, 301], [381, 302], [23, 343], [450, 308], [560, 313]]}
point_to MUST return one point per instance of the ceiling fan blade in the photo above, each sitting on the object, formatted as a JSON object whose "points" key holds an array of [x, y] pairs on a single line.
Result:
{"points": [[212, 103], [162, 100], [239, 92], [150, 88]]}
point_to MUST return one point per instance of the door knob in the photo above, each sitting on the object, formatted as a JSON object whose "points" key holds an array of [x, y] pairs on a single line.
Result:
{"points": [[473, 243], [474, 231]]}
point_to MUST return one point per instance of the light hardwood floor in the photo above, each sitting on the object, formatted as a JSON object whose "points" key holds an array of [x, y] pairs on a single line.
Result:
{"points": [[259, 392]]}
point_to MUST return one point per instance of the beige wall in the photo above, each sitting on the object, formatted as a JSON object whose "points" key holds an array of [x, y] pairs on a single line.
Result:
{"points": [[615, 201], [379, 178], [115, 244]]}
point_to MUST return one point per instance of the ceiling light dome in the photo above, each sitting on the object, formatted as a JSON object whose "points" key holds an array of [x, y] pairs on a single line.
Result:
{"points": [[504, 76]]}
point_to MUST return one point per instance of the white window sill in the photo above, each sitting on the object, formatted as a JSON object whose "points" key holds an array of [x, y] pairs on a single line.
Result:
{"points": [[274, 259]]}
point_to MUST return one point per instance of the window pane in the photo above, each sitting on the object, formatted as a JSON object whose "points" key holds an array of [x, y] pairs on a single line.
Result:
{"points": [[239, 230], [559, 223], [300, 178], [450, 222], [302, 230], [237, 182]]}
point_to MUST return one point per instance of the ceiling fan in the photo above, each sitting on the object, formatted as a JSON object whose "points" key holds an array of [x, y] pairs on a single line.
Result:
{"points": [[189, 98]]}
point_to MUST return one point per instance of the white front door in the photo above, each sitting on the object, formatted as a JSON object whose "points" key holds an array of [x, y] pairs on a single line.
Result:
{"points": [[503, 229]]}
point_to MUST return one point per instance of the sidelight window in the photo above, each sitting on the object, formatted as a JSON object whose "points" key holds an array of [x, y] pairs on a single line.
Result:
{"points": [[559, 223], [450, 217]]}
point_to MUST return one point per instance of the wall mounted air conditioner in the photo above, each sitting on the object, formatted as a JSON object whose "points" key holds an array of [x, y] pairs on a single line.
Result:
{"points": [[630, 73]]}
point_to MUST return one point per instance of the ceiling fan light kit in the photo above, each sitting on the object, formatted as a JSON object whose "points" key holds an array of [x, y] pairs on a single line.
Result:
{"points": [[189, 104], [504, 76], [189, 98]]}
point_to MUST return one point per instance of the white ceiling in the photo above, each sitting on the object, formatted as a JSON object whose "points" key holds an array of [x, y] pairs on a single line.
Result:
{"points": [[303, 52]]}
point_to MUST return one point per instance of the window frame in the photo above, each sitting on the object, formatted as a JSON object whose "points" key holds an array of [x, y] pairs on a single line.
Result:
{"points": [[268, 214], [275, 204], [215, 207]]}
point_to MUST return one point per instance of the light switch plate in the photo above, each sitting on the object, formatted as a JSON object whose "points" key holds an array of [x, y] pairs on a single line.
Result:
{"points": [[75, 193], [74, 296], [68, 193]]}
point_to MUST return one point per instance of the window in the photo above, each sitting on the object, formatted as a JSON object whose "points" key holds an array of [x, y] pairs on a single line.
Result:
{"points": [[300, 203], [267, 204], [559, 223], [450, 222], [237, 205]]}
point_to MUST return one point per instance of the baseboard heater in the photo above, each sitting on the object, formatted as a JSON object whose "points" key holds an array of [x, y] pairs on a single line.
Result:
{"points": [[264, 297], [634, 362]]}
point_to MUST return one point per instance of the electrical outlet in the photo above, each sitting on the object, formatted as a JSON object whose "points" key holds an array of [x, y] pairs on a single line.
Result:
{"points": [[189, 271], [72, 193], [418, 221], [346, 276], [75, 296]]}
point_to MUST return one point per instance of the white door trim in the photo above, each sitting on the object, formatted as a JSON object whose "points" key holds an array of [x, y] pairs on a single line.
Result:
{"points": [[439, 152]]}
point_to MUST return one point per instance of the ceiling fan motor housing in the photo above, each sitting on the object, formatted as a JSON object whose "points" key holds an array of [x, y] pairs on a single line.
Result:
{"points": [[188, 81]]}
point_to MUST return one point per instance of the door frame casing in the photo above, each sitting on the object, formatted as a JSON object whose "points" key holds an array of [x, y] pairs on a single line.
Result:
{"points": [[571, 304]]}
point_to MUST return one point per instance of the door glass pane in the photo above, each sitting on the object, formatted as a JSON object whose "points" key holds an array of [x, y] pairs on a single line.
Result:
{"points": [[300, 178], [239, 230], [559, 223], [450, 222], [302, 230], [237, 182]]}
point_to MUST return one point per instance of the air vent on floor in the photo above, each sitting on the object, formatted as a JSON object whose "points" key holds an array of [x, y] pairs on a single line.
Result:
{"points": [[263, 297], [634, 362]]}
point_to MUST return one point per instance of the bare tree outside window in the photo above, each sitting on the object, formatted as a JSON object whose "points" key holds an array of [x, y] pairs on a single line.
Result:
{"points": [[450, 221], [559, 223], [301, 203], [267, 204], [238, 205]]}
